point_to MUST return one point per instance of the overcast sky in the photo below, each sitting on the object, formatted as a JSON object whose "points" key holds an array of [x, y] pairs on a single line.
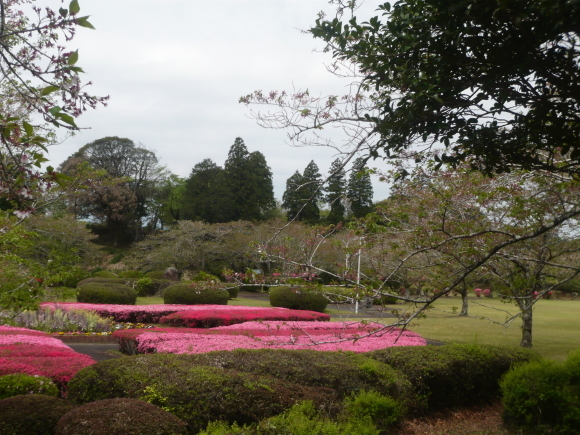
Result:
{"points": [[175, 69]]}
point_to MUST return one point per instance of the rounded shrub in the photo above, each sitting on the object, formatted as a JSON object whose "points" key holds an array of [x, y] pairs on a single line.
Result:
{"points": [[19, 383], [155, 274], [382, 410], [145, 287], [96, 293], [131, 274], [195, 394], [543, 396], [204, 276], [255, 288], [232, 290], [105, 274], [344, 372], [297, 298], [195, 293], [452, 375], [120, 416], [32, 414], [99, 280]]}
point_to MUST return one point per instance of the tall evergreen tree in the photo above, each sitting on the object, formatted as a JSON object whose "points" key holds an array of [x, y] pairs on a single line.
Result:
{"points": [[336, 193], [250, 182], [207, 196], [360, 189], [291, 200]]}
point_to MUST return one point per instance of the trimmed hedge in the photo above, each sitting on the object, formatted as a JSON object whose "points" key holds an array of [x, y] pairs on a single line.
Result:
{"points": [[452, 375], [190, 294], [119, 416], [344, 372], [32, 414], [96, 293], [196, 394], [108, 281], [20, 383], [297, 298], [150, 287], [543, 396], [131, 274]]}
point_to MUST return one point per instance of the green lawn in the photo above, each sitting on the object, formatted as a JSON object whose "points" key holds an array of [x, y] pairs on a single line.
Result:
{"points": [[556, 325]]}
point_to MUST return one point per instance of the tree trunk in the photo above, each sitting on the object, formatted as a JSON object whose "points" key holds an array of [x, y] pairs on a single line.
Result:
{"points": [[526, 324], [464, 304]]}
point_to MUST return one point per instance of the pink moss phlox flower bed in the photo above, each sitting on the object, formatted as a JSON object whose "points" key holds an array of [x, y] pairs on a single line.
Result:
{"points": [[22, 351], [328, 336], [137, 313], [212, 317]]}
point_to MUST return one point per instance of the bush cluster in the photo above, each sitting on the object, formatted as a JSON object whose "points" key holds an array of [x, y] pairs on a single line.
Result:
{"points": [[297, 298], [346, 373], [32, 414], [151, 287], [452, 375], [195, 394], [19, 383], [543, 396], [195, 293], [119, 416], [131, 274], [105, 293]]}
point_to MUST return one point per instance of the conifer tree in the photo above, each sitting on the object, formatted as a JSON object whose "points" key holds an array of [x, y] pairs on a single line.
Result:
{"points": [[336, 192], [291, 200], [360, 189], [302, 195]]}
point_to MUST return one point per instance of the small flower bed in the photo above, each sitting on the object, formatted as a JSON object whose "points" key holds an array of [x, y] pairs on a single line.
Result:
{"points": [[212, 317], [327, 336], [36, 353], [132, 313]]}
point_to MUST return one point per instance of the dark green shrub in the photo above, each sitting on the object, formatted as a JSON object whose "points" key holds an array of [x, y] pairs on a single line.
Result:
{"points": [[254, 288], [382, 410], [297, 298], [131, 274], [31, 414], [119, 416], [98, 280], [145, 287], [233, 290], [195, 293], [106, 294], [19, 383], [105, 274], [118, 257], [203, 276], [155, 274], [68, 277], [569, 286], [196, 394], [344, 372], [452, 375], [543, 396]]}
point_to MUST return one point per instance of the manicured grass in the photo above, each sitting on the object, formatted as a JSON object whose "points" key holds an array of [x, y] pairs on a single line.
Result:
{"points": [[556, 325]]}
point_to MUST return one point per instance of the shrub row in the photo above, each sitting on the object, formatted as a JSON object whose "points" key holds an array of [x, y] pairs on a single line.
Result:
{"points": [[194, 294], [106, 293], [297, 298], [452, 375], [195, 394]]}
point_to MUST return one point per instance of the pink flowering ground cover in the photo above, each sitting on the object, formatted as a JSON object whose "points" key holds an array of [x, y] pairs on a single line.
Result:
{"points": [[132, 313], [35, 353], [212, 317], [327, 336]]}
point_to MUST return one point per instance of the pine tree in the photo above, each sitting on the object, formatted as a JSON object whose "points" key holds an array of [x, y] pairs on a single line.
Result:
{"points": [[250, 181], [207, 196], [291, 200], [360, 189], [336, 192], [303, 191]]}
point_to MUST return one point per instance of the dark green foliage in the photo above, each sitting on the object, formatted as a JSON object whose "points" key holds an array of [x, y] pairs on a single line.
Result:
{"points": [[255, 288], [97, 293], [204, 276], [456, 72], [145, 287], [190, 294], [302, 194], [297, 298], [232, 290], [250, 182], [336, 193], [19, 383], [101, 280], [360, 190], [120, 416], [455, 375], [382, 410], [207, 196], [543, 396], [155, 274], [570, 286], [195, 394], [31, 414], [344, 372], [130, 274], [105, 274]]}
